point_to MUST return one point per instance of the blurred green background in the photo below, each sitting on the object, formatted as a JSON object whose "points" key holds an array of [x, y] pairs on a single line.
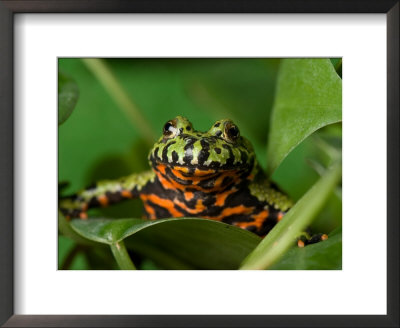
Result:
{"points": [[99, 141]]}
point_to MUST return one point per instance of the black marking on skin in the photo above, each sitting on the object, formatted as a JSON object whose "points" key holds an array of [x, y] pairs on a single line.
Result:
{"points": [[175, 156], [175, 178], [203, 156], [218, 133], [160, 212], [204, 144], [181, 130], [151, 158], [244, 175], [156, 152], [114, 197], [245, 172], [211, 211], [93, 202], [230, 186], [182, 210], [165, 151], [214, 165], [184, 136], [268, 224], [189, 142], [188, 128], [243, 156], [237, 218], [243, 197], [209, 200], [207, 184], [211, 140], [189, 203], [188, 156], [217, 150], [157, 189], [204, 152], [190, 172], [231, 159], [164, 154], [227, 181], [135, 192], [189, 150], [217, 124]]}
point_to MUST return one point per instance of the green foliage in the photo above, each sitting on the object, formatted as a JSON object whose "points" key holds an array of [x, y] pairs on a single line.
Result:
{"points": [[198, 243], [306, 98], [281, 237], [320, 256], [68, 94]]}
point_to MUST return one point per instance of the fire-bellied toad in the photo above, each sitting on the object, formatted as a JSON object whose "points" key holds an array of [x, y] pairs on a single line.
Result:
{"points": [[212, 175]]}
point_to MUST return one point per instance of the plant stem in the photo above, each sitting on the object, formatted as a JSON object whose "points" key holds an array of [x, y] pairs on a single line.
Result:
{"points": [[283, 235], [121, 256], [105, 76]]}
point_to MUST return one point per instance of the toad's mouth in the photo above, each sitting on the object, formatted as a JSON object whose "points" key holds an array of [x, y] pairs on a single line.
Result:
{"points": [[191, 170], [201, 167]]}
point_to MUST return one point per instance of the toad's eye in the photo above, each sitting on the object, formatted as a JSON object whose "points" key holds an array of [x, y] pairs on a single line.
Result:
{"points": [[170, 129], [232, 132]]}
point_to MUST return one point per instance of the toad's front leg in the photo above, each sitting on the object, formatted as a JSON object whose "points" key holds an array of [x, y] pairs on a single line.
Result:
{"points": [[104, 193]]}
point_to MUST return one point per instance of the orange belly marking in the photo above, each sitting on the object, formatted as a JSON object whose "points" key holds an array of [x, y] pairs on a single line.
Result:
{"points": [[199, 207], [165, 203], [222, 197], [240, 209], [258, 220]]}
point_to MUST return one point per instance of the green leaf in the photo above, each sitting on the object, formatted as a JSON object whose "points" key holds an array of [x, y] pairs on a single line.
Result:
{"points": [[326, 255], [68, 94], [109, 231], [308, 97], [283, 235], [184, 243]]}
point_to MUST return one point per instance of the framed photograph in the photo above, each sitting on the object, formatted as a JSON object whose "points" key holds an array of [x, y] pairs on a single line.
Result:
{"points": [[211, 164]]}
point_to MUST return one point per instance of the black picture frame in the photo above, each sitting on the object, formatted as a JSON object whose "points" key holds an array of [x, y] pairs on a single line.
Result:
{"points": [[7, 11]]}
